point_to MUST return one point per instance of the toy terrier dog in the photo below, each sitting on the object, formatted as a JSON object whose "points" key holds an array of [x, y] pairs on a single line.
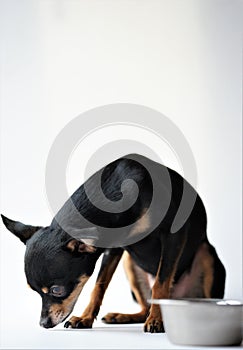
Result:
{"points": [[184, 264]]}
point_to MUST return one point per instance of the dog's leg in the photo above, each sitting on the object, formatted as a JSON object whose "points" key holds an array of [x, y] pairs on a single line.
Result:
{"points": [[108, 266], [171, 251], [140, 287], [205, 278]]}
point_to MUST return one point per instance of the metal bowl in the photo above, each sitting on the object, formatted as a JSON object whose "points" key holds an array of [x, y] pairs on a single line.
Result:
{"points": [[202, 322]]}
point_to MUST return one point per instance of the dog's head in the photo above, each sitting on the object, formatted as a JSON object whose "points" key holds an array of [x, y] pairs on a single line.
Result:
{"points": [[57, 266]]}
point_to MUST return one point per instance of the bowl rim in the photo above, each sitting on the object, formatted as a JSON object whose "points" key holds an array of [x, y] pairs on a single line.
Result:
{"points": [[197, 301]]}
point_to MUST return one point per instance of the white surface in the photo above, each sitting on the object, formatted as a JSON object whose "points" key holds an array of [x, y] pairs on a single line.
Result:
{"points": [[100, 337], [61, 58]]}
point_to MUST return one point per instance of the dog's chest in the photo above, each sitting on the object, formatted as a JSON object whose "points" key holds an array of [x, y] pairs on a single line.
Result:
{"points": [[146, 254]]}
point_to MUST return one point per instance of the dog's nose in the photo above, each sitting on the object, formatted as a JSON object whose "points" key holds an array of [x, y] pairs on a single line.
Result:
{"points": [[46, 322]]}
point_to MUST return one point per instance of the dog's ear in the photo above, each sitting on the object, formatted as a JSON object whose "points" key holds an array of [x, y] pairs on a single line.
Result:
{"points": [[23, 232], [82, 241], [75, 246]]}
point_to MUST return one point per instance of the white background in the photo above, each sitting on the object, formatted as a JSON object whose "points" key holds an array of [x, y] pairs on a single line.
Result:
{"points": [[61, 58]]}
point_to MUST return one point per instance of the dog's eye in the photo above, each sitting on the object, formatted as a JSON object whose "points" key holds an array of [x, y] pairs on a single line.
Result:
{"points": [[57, 291]]}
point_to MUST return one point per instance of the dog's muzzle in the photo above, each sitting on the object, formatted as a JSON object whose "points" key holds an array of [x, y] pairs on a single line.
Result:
{"points": [[46, 322]]}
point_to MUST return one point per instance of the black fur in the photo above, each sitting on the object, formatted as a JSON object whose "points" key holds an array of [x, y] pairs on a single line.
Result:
{"points": [[49, 261]]}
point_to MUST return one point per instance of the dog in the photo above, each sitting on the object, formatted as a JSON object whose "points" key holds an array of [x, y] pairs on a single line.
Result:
{"points": [[184, 264]]}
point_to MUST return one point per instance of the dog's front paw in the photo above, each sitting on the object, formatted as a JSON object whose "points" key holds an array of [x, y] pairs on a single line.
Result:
{"points": [[154, 325], [79, 322]]}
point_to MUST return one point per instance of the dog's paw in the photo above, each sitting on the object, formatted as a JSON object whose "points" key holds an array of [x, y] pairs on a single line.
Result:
{"points": [[116, 318], [79, 322], [154, 325], [112, 318]]}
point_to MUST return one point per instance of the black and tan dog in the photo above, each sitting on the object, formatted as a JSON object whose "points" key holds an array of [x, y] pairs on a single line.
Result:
{"points": [[184, 264]]}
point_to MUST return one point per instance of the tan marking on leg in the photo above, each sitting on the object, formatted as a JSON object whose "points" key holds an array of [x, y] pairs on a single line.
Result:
{"points": [[154, 322], [138, 280], [87, 318], [198, 280], [163, 290], [100, 287], [207, 265], [139, 284]]}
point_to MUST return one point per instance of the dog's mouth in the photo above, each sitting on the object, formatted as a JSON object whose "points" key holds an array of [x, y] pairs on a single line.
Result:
{"points": [[52, 315], [55, 314], [51, 322]]}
